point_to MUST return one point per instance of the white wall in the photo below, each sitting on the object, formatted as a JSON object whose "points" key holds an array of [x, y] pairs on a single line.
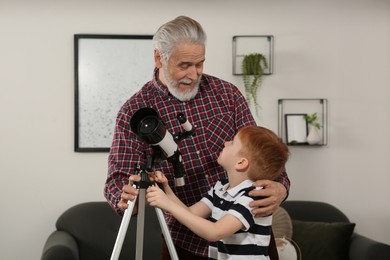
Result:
{"points": [[337, 50]]}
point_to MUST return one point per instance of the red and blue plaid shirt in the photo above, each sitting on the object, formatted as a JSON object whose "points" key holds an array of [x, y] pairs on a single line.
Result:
{"points": [[217, 112]]}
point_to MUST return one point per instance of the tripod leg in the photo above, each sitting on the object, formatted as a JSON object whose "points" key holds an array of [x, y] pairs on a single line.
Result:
{"points": [[167, 234], [122, 230], [140, 225]]}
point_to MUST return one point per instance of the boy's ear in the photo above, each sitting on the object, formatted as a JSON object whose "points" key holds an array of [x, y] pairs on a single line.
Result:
{"points": [[242, 164], [157, 59]]}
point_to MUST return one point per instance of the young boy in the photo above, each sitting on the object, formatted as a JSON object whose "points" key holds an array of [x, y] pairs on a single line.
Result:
{"points": [[223, 216]]}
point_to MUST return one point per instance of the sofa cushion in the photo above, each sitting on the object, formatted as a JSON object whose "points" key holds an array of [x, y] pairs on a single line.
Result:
{"points": [[320, 240]]}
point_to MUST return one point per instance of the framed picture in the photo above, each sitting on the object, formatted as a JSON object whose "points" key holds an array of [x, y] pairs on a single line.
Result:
{"points": [[109, 69], [296, 129]]}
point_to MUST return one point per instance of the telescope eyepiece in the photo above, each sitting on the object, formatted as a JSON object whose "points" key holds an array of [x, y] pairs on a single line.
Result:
{"points": [[181, 118], [148, 125]]}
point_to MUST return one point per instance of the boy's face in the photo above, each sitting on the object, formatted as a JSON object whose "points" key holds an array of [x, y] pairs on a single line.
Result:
{"points": [[230, 154]]}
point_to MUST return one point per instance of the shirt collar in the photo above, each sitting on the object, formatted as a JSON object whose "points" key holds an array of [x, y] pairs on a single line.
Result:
{"points": [[158, 84], [234, 191]]}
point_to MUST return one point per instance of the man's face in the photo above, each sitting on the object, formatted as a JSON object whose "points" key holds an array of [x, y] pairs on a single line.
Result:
{"points": [[184, 69]]}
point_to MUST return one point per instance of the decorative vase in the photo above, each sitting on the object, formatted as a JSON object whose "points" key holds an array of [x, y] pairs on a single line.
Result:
{"points": [[314, 136]]}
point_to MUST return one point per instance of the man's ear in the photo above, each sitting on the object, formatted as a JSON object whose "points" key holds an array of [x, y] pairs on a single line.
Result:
{"points": [[157, 59], [242, 164]]}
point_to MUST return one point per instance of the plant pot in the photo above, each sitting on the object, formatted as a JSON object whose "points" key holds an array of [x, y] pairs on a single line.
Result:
{"points": [[314, 136]]}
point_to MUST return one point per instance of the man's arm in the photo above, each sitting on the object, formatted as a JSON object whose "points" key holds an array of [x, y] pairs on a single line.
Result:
{"points": [[125, 154]]}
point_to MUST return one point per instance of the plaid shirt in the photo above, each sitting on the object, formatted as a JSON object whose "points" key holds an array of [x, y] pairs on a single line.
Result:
{"points": [[217, 112]]}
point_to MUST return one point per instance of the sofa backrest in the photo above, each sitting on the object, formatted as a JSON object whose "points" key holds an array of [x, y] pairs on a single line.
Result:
{"points": [[314, 211]]}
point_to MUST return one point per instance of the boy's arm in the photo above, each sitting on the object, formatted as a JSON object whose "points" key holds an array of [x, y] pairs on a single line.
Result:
{"points": [[159, 177], [171, 195], [194, 217], [211, 231]]}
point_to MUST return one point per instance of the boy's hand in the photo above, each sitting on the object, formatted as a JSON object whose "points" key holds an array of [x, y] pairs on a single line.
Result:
{"points": [[159, 177], [157, 198]]}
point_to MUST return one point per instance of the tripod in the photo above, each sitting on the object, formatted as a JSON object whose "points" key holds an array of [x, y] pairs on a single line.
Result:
{"points": [[142, 185]]}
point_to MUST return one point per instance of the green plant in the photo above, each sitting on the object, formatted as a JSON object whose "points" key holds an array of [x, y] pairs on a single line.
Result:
{"points": [[253, 67], [312, 120]]}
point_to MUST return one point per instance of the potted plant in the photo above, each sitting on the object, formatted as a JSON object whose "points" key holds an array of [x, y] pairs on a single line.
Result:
{"points": [[253, 67], [314, 136]]}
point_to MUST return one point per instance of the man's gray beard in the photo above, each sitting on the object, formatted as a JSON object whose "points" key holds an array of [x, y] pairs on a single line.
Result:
{"points": [[173, 87], [186, 95]]}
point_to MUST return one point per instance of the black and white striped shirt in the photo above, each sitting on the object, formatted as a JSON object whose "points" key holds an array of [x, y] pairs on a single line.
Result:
{"points": [[252, 241]]}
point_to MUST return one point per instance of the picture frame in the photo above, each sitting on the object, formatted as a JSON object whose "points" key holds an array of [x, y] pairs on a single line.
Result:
{"points": [[296, 129], [109, 69]]}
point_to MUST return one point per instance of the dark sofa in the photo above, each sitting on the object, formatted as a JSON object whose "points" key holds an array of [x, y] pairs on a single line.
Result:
{"points": [[88, 231], [359, 247]]}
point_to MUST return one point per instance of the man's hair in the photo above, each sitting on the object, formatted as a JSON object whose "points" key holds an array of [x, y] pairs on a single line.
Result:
{"points": [[181, 29], [266, 152]]}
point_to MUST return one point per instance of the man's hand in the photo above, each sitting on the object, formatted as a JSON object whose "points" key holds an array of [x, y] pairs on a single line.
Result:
{"points": [[129, 193], [274, 193]]}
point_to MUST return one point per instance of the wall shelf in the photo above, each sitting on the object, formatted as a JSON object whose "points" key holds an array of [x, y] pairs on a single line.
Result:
{"points": [[248, 44], [293, 128]]}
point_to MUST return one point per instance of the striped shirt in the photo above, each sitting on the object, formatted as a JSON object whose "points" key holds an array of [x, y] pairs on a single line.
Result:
{"points": [[252, 241], [217, 112]]}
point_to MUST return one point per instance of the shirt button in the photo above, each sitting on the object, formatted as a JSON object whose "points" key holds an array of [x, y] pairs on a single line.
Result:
{"points": [[206, 175], [197, 152]]}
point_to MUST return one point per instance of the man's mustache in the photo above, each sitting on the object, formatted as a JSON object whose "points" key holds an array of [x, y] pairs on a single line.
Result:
{"points": [[187, 81]]}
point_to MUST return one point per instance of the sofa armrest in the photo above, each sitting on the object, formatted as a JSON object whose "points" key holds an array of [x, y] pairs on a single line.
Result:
{"points": [[60, 246], [363, 248]]}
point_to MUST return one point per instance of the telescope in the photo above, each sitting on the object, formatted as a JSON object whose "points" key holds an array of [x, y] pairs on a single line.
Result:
{"points": [[147, 124]]}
